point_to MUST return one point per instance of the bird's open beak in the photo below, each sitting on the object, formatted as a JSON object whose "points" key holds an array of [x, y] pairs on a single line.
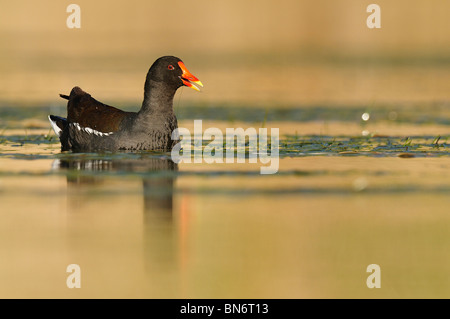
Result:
{"points": [[188, 79]]}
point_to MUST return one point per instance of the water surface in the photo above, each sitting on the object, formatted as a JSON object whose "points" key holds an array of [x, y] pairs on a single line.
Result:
{"points": [[141, 226]]}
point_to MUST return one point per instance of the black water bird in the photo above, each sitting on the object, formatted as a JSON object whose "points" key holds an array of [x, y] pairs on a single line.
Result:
{"points": [[92, 126]]}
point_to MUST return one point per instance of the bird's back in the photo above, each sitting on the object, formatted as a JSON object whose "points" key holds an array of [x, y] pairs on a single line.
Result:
{"points": [[88, 112]]}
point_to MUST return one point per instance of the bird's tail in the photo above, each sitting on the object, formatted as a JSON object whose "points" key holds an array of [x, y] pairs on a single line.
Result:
{"points": [[58, 124]]}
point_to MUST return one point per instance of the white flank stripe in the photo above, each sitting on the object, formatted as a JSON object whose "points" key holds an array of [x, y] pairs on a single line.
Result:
{"points": [[90, 130]]}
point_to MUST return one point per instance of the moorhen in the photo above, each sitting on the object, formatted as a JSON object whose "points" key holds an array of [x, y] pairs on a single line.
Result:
{"points": [[92, 126]]}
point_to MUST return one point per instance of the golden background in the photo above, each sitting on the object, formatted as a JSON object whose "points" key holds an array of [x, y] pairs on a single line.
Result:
{"points": [[287, 52]]}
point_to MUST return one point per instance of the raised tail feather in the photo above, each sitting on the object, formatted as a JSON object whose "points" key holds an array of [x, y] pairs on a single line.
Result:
{"points": [[60, 126], [58, 123]]}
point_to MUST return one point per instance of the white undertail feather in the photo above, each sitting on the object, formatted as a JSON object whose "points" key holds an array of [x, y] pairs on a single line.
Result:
{"points": [[55, 127], [85, 129]]}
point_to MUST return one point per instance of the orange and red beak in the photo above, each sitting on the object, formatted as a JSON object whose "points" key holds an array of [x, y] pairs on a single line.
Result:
{"points": [[188, 79]]}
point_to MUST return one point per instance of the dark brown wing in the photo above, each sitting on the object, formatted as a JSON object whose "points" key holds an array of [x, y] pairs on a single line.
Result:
{"points": [[83, 109]]}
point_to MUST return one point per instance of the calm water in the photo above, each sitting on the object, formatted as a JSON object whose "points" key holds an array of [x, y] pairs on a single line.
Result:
{"points": [[140, 226], [349, 192]]}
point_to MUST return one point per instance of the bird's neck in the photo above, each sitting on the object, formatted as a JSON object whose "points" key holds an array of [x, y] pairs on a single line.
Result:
{"points": [[158, 98]]}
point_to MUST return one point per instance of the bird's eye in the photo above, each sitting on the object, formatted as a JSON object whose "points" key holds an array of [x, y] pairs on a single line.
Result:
{"points": [[170, 67]]}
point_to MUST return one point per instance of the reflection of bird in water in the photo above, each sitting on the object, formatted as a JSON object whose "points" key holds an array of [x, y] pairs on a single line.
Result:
{"points": [[157, 174]]}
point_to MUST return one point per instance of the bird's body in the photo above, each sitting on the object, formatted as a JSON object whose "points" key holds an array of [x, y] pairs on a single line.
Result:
{"points": [[92, 126]]}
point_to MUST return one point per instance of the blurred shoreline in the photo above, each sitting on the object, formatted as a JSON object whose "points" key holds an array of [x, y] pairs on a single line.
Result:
{"points": [[290, 52]]}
